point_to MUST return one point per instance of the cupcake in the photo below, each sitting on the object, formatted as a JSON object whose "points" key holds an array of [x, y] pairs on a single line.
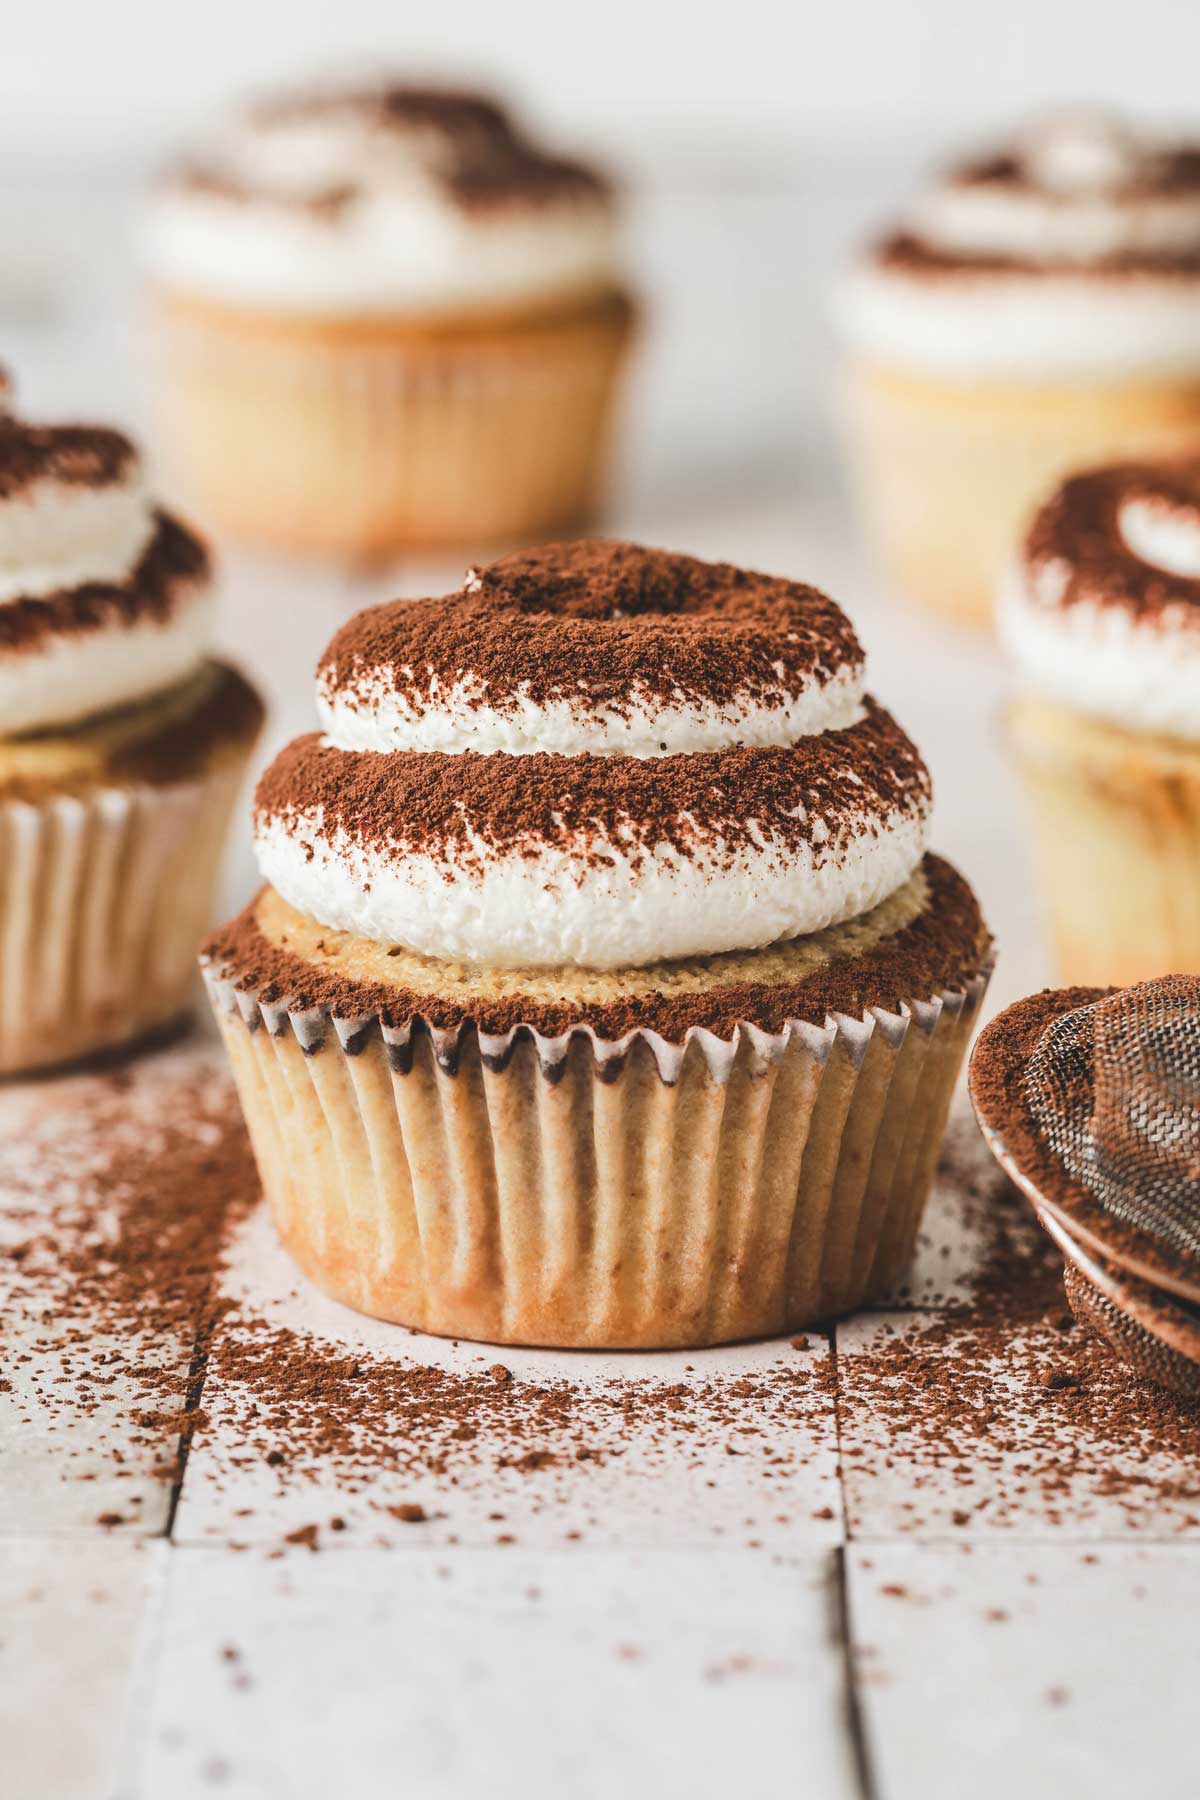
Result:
{"points": [[1038, 312], [407, 316], [1102, 618], [121, 747], [601, 991]]}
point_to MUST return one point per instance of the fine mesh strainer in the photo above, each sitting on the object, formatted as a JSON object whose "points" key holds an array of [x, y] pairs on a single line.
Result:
{"points": [[1145, 1353], [1090, 1101], [1114, 1088]]}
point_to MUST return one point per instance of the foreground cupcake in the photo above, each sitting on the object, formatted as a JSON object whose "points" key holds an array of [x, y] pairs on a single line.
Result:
{"points": [[1037, 312], [408, 317], [1103, 620], [121, 747], [602, 991]]}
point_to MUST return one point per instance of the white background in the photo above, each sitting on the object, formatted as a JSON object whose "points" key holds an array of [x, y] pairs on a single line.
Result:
{"points": [[762, 66]]}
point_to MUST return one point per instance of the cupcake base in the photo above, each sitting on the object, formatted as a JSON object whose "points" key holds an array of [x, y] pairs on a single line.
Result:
{"points": [[362, 438], [98, 930], [950, 471], [111, 835], [584, 1191], [1116, 821]]}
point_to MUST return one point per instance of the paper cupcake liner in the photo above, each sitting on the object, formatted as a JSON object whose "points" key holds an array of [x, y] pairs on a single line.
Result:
{"points": [[103, 898], [363, 446], [578, 1191], [1116, 833], [949, 472]]}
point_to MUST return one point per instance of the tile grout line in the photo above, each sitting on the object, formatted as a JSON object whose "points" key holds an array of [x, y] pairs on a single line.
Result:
{"points": [[192, 1394], [855, 1722]]}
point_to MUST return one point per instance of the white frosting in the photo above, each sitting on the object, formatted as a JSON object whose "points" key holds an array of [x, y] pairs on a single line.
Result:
{"points": [[1101, 659], [373, 716], [598, 895], [1088, 195], [57, 535], [72, 675], [1040, 326], [400, 244], [519, 909]]}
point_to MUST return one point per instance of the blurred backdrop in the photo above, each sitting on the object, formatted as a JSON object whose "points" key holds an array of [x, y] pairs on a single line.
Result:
{"points": [[758, 143]]}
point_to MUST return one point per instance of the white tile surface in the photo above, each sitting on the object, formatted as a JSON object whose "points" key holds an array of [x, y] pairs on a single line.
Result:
{"points": [[1015, 1473], [523, 1675], [1048, 1671], [72, 1445], [655, 1477], [71, 1619]]}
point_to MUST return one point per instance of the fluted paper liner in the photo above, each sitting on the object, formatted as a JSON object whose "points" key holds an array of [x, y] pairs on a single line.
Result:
{"points": [[582, 1192], [365, 446], [103, 896]]}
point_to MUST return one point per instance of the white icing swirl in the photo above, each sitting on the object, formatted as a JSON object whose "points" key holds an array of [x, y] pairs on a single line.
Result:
{"points": [[261, 235], [598, 893], [1083, 194], [374, 715], [58, 536], [594, 906]]}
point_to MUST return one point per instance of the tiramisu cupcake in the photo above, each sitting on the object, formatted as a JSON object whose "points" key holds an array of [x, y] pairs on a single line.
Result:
{"points": [[602, 991], [407, 318], [1102, 617], [121, 747], [1037, 312]]}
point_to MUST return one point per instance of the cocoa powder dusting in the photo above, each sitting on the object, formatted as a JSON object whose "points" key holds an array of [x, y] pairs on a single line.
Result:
{"points": [[466, 145], [1077, 536], [812, 793], [173, 559], [594, 623], [118, 1199], [1004, 1399]]}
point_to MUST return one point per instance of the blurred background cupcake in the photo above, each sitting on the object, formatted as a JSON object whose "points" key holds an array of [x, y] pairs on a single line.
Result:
{"points": [[1036, 311], [407, 316], [122, 746], [1103, 620]]}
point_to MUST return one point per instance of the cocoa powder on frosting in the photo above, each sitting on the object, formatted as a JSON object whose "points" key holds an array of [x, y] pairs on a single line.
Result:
{"points": [[944, 948], [174, 557], [912, 255], [469, 146], [424, 802], [1172, 170], [171, 736], [592, 620], [77, 455], [1078, 533]]}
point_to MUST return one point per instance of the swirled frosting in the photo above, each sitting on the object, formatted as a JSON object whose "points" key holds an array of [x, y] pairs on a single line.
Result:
{"points": [[1075, 253], [104, 599], [1103, 613], [594, 754], [382, 199]]}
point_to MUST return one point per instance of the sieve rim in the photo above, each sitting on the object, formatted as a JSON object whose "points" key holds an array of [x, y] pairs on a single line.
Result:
{"points": [[1160, 1315], [996, 1088]]}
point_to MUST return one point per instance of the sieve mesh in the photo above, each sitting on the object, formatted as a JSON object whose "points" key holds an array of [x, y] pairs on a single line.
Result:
{"points": [[1114, 1088], [1145, 1354]]}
